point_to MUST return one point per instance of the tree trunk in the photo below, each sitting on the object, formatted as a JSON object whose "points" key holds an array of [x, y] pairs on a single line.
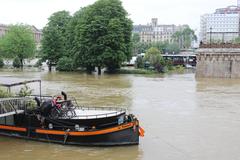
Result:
{"points": [[90, 69], [99, 70], [50, 67], [21, 62]]}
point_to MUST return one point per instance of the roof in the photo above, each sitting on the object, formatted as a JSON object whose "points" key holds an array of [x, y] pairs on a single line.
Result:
{"points": [[19, 83]]}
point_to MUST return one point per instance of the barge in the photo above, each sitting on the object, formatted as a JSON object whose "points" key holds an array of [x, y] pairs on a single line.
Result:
{"points": [[59, 119]]}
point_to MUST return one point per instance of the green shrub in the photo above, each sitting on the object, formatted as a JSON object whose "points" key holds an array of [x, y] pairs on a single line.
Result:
{"points": [[139, 62], [155, 59], [16, 62], [179, 68], [1, 63], [65, 64], [25, 91], [136, 71], [4, 93]]}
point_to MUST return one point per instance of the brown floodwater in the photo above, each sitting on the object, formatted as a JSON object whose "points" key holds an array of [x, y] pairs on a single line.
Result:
{"points": [[184, 118]]}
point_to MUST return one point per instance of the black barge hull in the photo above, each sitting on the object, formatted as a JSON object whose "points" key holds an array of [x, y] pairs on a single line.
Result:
{"points": [[125, 134]]}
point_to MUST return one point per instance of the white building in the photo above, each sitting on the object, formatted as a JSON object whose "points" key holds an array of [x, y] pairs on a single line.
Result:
{"points": [[221, 26]]}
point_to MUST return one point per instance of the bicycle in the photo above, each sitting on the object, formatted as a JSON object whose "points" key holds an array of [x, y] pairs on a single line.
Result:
{"points": [[62, 108]]}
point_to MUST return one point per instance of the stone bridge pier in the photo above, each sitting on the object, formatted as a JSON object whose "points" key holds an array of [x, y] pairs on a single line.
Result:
{"points": [[218, 63]]}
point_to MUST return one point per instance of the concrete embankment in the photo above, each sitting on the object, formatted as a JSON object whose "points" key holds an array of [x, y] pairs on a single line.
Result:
{"points": [[218, 63]]}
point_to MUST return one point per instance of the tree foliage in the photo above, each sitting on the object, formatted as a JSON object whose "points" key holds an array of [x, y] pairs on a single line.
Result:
{"points": [[55, 38], [135, 43], [4, 93], [98, 35], [102, 35], [172, 48], [139, 63], [163, 47], [184, 37], [237, 40], [18, 42], [154, 57], [16, 62], [1, 63], [65, 64], [135, 38], [25, 91]]}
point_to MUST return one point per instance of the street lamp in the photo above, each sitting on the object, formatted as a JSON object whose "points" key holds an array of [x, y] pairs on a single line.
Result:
{"points": [[210, 36], [223, 37]]}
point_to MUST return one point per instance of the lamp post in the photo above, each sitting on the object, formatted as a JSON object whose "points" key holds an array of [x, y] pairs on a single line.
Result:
{"points": [[223, 37], [210, 36]]}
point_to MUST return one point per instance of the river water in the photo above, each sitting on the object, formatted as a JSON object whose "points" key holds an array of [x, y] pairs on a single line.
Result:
{"points": [[184, 118]]}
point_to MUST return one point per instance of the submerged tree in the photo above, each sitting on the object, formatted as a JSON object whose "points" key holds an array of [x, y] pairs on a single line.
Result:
{"points": [[102, 36], [55, 38], [18, 43]]}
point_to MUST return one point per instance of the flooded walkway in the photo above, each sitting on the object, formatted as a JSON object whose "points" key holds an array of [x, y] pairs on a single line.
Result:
{"points": [[184, 118]]}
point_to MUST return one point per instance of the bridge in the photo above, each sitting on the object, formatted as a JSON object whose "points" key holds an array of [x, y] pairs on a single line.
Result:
{"points": [[222, 61]]}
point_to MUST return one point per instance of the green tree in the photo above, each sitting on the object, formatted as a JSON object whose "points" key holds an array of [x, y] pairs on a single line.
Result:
{"points": [[184, 37], [188, 36], [103, 36], [16, 62], [237, 40], [65, 64], [177, 37], [18, 42], [135, 38], [135, 43], [154, 57], [142, 47], [55, 38], [172, 48], [139, 62], [161, 46], [1, 63]]}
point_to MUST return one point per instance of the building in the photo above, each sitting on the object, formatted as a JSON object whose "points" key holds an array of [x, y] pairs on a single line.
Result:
{"points": [[221, 26], [229, 10], [154, 32], [37, 34]]}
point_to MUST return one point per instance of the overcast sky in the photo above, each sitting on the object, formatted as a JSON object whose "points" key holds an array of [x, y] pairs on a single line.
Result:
{"points": [[36, 12]]}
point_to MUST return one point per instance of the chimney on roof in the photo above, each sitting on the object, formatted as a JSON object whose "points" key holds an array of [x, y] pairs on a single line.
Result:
{"points": [[155, 21]]}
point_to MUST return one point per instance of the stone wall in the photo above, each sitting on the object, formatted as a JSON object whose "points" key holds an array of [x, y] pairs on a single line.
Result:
{"points": [[218, 63], [220, 45]]}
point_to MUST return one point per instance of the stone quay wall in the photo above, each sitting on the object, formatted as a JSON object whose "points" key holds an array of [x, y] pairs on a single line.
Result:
{"points": [[218, 63]]}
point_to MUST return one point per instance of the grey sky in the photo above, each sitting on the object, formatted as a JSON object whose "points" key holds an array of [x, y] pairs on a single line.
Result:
{"points": [[36, 12]]}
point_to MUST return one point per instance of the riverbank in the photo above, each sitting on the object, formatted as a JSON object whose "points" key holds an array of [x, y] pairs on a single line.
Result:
{"points": [[173, 69], [123, 70]]}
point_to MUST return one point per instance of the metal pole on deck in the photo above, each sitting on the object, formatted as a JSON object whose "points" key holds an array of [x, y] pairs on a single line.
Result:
{"points": [[9, 89], [210, 37]]}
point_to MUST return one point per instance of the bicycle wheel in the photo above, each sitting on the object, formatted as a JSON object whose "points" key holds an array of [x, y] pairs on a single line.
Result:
{"points": [[54, 113], [70, 113]]}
